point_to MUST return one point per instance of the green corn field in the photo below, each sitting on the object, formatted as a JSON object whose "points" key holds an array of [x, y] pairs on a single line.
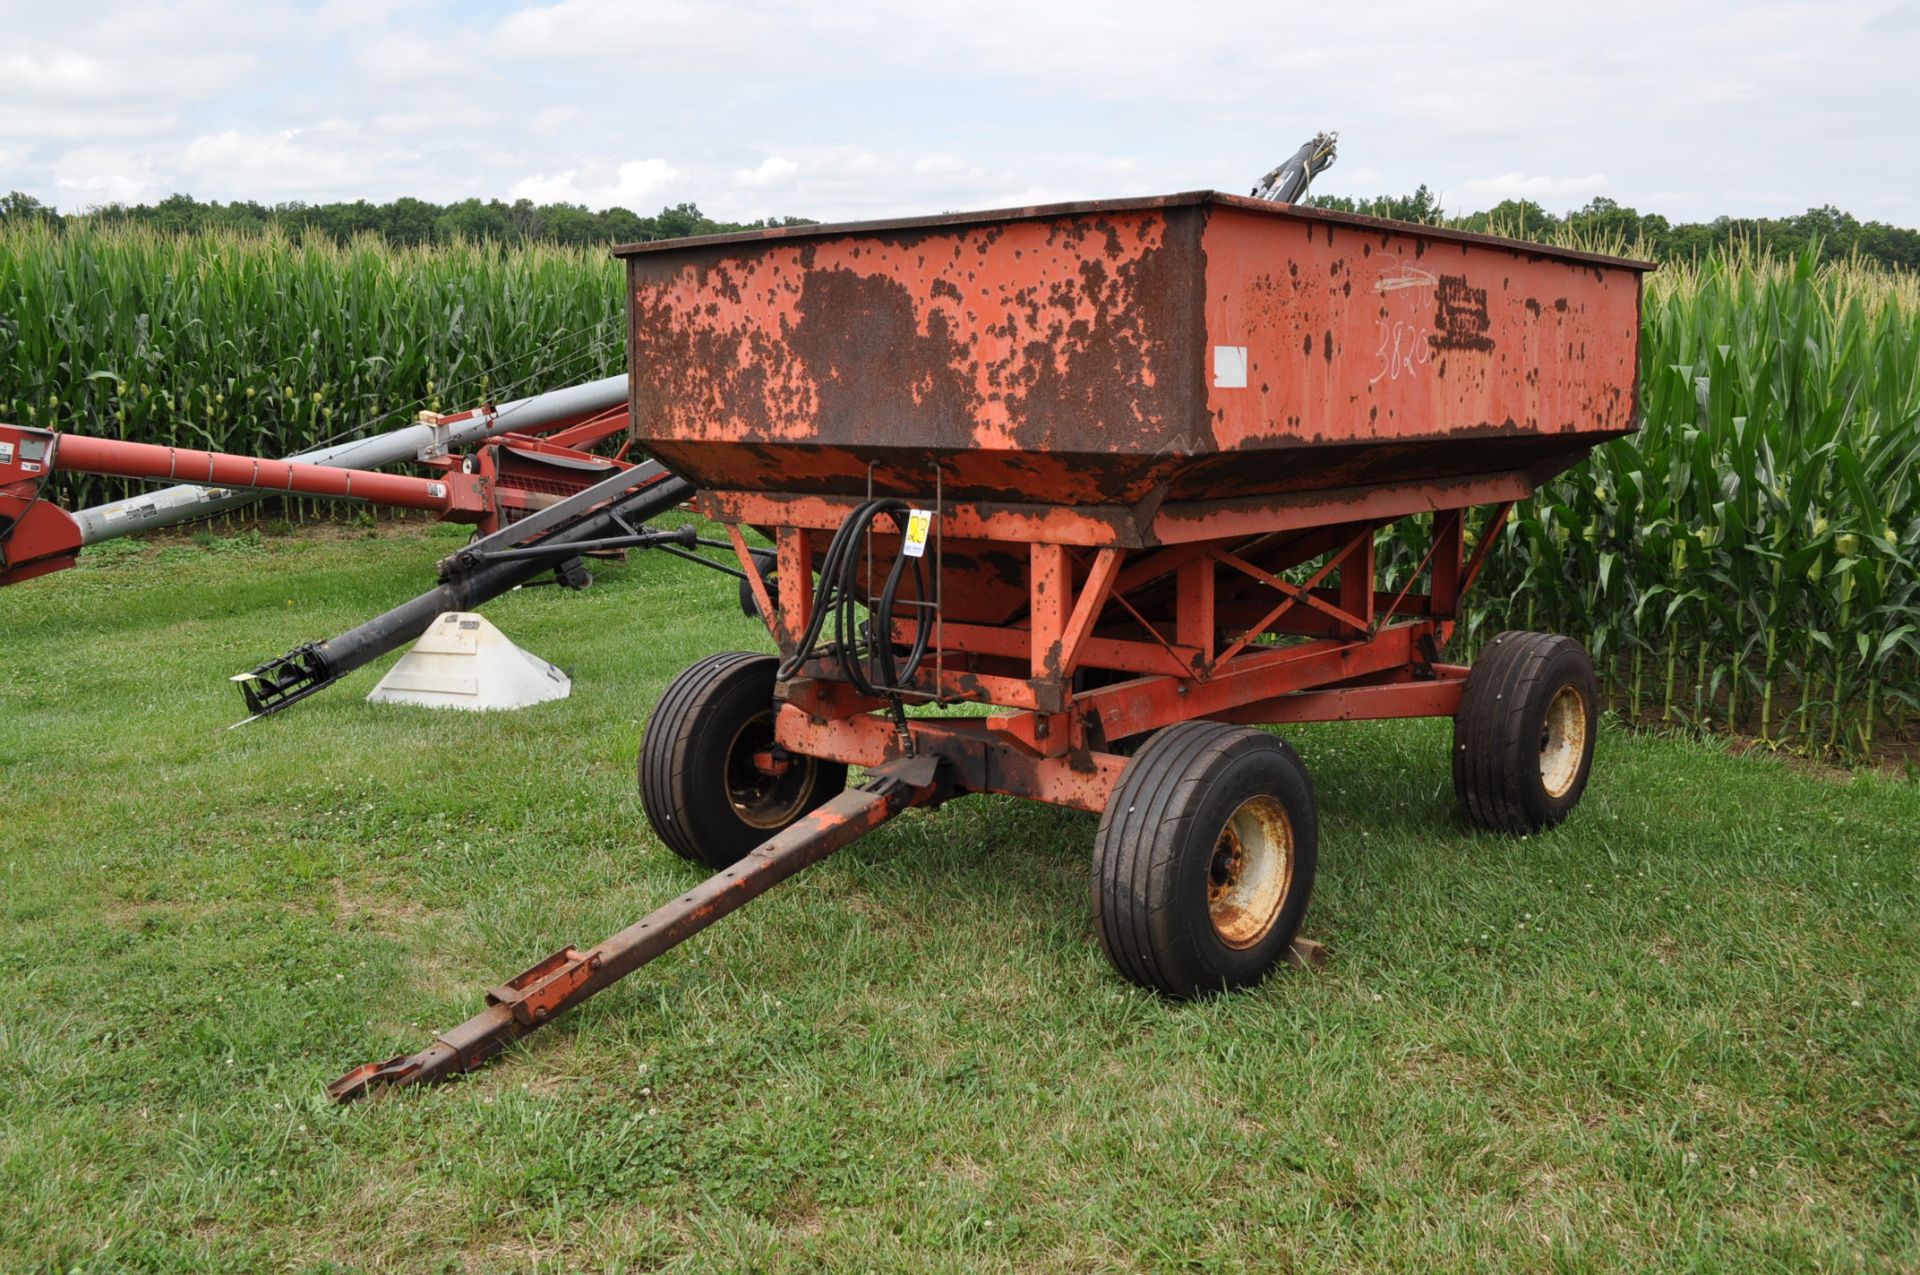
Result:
{"points": [[259, 344], [1747, 561]]}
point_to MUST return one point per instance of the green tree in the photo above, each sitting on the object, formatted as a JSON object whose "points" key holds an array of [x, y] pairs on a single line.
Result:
{"points": [[17, 205]]}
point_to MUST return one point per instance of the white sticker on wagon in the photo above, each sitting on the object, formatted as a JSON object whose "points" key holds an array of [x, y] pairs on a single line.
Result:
{"points": [[1229, 367], [919, 522], [6, 453]]}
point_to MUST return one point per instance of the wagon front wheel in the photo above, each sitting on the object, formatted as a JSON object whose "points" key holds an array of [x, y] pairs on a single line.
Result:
{"points": [[712, 782], [1205, 859], [1524, 733]]}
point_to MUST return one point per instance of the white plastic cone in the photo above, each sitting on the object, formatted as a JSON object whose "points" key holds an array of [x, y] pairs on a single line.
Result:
{"points": [[462, 661]]}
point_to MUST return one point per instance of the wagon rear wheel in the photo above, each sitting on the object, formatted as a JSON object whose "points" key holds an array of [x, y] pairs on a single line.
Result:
{"points": [[1524, 733], [1205, 859], [711, 781]]}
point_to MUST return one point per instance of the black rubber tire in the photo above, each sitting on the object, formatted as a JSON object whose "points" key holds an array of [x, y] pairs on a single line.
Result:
{"points": [[1501, 733], [715, 711], [763, 563], [1156, 849]]}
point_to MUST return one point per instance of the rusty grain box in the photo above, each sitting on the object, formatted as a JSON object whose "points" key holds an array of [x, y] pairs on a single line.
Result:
{"points": [[1185, 348]]}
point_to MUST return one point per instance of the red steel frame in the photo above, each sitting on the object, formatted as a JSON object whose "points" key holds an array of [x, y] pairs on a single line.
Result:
{"points": [[520, 473], [1159, 439], [1175, 626]]}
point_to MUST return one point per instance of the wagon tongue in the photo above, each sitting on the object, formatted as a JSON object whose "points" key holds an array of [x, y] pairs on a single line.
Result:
{"points": [[561, 981]]}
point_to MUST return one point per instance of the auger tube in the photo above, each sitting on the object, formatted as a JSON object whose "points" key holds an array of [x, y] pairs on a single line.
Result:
{"points": [[185, 502]]}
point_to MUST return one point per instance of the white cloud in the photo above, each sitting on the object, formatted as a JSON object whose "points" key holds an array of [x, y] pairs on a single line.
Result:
{"points": [[878, 107], [433, 118], [410, 63], [938, 165], [553, 119], [89, 176], [1027, 196], [658, 31], [77, 126], [774, 170], [289, 162], [58, 71], [636, 184]]}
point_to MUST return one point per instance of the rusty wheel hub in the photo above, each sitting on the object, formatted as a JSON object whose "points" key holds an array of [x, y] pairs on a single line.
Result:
{"points": [[1251, 872], [766, 797], [1563, 741]]}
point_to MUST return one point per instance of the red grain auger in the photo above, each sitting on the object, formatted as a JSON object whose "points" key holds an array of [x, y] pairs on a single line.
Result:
{"points": [[1115, 471]]}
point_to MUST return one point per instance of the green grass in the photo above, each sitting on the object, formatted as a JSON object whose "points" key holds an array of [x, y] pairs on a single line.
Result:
{"points": [[1678, 1032]]}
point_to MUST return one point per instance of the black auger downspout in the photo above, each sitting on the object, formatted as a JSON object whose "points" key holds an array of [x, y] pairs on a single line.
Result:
{"points": [[608, 511]]}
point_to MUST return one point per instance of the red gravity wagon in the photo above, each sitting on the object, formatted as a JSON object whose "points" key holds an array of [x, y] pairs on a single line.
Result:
{"points": [[1067, 502]]}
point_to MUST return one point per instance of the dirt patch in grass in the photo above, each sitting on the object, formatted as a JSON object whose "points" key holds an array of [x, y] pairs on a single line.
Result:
{"points": [[364, 907], [150, 914]]}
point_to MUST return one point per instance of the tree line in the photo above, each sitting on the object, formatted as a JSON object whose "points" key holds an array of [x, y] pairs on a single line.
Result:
{"points": [[1836, 234], [417, 221], [404, 221]]}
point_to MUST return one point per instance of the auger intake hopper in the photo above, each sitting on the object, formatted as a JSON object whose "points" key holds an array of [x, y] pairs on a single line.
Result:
{"points": [[1126, 354]]}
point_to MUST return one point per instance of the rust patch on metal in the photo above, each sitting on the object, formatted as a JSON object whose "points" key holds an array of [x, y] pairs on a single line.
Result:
{"points": [[993, 347], [1460, 315]]}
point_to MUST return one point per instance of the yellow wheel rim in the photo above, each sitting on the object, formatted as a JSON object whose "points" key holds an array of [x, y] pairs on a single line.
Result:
{"points": [[1251, 872], [1563, 741]]}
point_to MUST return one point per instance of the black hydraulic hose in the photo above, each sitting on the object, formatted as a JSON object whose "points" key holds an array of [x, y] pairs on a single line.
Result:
{"points": [[826, 591], [872, 667], [883, 653]]}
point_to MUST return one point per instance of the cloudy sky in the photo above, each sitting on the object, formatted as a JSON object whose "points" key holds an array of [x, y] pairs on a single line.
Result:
{"points": [[856, 108]]}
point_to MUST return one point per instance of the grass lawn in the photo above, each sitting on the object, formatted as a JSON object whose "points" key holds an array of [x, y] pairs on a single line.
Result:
{"points": [[1682, 1031]]}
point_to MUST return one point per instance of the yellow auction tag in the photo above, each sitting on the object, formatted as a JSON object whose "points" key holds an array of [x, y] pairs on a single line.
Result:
{"points": [[919, 522]]}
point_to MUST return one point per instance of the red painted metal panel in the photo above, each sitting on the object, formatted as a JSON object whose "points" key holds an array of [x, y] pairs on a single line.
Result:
{"points": [[1257, 387], [1006, 350], [1391, 700], [1333, 336]]}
